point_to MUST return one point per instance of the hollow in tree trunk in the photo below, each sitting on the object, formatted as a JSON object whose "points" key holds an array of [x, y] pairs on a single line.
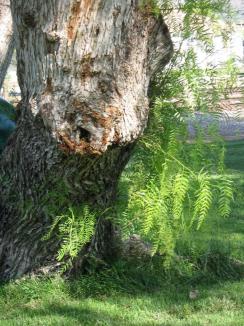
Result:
{"points": [[84, 69]]}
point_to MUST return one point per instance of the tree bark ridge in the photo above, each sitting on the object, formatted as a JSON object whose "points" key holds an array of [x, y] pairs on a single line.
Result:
{"points": [[6, 39]]}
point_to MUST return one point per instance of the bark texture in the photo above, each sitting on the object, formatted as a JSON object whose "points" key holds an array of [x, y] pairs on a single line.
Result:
{"points": [[6, 39], [84, 68]]}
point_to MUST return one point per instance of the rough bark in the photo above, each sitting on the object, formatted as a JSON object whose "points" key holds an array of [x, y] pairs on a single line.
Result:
{"points": [[84, 68], [6, 39]]}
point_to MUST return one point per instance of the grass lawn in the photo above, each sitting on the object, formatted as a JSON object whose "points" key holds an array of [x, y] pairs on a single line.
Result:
{"points": [[52, 302], [143, 296], [235, 155]]}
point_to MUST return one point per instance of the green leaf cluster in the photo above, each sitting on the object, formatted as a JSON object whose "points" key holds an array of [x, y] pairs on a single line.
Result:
{"points": [[75, 229]]}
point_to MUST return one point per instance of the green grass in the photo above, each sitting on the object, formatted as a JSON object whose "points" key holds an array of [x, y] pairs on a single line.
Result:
{"points": [[235, 156], [141, 294], [59, 302]]}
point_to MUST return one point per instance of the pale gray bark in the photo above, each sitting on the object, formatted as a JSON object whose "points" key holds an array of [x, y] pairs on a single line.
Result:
{"points": [[84, 69], [89, 66], [6, 39]]}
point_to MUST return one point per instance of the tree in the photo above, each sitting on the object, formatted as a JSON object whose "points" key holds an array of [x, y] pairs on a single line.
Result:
{"points": [[84, 69], [6, 39]]}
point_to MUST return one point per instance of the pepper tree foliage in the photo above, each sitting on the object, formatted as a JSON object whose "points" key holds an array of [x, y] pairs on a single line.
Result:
{"points": [[170, 185], [173, 184]]}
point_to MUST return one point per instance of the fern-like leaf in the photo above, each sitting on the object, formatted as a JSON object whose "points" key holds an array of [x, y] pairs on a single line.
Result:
{"points": [[180, 188], [75, 231], [225, 196], [203, 200]]}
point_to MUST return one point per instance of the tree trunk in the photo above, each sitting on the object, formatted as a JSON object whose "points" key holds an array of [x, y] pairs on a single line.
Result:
{"points": [[84, 69], [6, 39]]}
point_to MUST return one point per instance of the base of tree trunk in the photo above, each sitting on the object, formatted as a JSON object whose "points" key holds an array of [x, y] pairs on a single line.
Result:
{"points": [[31, 201]]}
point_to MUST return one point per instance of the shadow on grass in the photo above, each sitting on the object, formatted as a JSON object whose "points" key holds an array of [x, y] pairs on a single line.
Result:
{"points": [[172, 302], [77, 315], [101, 314], [127, 294], [135, 279]]}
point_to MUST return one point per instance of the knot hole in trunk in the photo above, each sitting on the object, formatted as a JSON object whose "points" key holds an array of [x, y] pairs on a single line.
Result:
{"points": [[84, 134]]}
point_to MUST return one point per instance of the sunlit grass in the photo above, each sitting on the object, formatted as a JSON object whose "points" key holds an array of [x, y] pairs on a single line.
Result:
{"points": [[50, 302], [141, 296]]}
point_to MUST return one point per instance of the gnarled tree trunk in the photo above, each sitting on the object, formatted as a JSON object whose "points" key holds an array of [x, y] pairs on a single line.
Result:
{"points": [[6, 39], [84, 68]]}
